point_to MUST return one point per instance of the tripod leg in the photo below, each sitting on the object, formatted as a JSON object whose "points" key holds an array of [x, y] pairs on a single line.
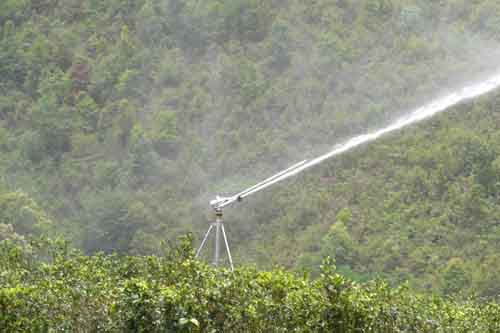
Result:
{"points": [[217, 243], [227, 248], [204, 240]]}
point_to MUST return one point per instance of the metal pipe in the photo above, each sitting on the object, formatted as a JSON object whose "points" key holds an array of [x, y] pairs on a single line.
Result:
{"points": [[242, 193], [221, 202], [218, 221]]}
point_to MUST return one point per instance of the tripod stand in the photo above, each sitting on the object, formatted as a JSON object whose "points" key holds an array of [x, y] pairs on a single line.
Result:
{"points": [[219, 228]]}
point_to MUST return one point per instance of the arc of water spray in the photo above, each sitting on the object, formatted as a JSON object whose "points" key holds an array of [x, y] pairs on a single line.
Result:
{"points": [[423, 112]]}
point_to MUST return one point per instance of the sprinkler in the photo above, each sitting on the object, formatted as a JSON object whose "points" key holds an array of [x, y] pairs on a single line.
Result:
{"points": [[424, 112], [220, 202]]}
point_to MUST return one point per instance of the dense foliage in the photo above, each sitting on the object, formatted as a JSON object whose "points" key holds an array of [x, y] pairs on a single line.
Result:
{"points": [[54, 288], [120, 119]]}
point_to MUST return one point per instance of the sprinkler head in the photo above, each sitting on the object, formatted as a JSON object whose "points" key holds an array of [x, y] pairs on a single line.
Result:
{"points": [[220, 202]]}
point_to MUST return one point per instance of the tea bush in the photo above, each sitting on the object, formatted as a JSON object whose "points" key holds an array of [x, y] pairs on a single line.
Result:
{"points": [[47, 286]]}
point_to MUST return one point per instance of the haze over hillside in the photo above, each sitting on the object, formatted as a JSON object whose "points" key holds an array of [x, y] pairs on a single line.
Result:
{"points": [[120, 120]]}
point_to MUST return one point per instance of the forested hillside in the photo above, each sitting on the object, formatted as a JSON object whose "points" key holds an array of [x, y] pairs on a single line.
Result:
{"points": [[421, 205], [120, 120]]}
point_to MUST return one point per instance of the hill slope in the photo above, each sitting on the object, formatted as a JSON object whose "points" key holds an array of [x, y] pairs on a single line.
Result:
{"points": [[422, 204], [122, 119]]}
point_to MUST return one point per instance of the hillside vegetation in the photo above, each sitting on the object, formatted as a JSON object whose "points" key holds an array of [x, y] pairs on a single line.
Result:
{"points": [[120, 119], [422, 205]]}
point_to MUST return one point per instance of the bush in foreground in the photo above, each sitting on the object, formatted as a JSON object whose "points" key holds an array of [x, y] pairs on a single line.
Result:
{"points": [[47, 286]]}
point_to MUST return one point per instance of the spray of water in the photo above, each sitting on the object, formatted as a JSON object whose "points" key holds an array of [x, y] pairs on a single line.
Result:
{"points": [[424, 112]]}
